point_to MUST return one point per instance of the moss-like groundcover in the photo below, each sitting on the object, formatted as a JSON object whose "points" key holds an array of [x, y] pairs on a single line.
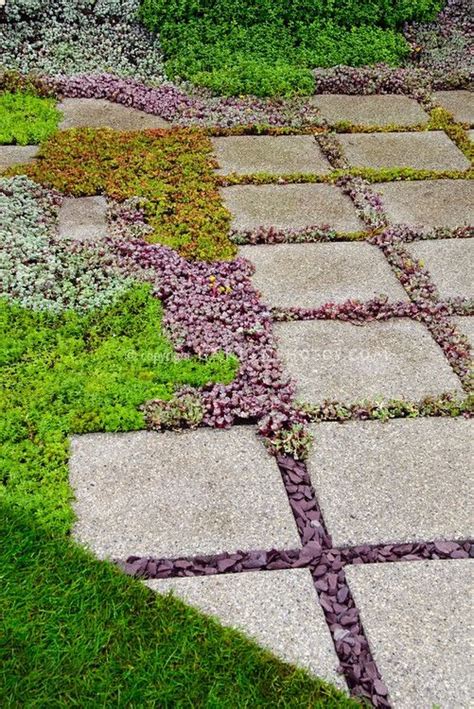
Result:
{"points": [[269, 48], [26, 119], [171, 171], [77, 373]]}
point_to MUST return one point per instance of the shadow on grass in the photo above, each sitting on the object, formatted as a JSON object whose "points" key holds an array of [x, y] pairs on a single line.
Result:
{"points": [[77, 632]]}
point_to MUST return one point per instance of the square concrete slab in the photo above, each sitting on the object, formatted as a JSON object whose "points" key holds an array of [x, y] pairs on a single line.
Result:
{"points": [[290, 206], [174, 494], [83, 218], [426, 150], [99, 113], [400, 481], [418, 619], [379, 110], [309, 275], [278, 609], [459, 103], [285, 154], [339, 361], [429, 203], [16, 154], [450, 263]]}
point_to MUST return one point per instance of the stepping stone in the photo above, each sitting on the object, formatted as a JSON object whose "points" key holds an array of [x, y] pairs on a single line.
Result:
{"points": [[290, 206], [416, 616], [178, 494], [471, 135], [450, 263], [339, 361], [83, 218], [377, 110], [466, 326], [459, 103], [431, 150], [309, 275], [16, 154], [430, 203], [99, 113], [400, 481], [281, 155], [278, 609]]}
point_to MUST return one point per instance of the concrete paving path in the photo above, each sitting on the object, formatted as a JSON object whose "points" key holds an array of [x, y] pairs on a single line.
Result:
{"points": [[358, 562]]}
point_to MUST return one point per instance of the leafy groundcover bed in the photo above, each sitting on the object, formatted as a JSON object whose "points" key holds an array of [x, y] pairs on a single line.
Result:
{"points": [[26, 119], [269, 48], [169, 171]]}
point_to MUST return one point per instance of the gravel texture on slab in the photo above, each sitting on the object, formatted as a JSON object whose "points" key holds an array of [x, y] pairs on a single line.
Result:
{"points": [[327, 568], [428, 203], [380, 110], [450, 263], [285, 154], [418, 619], [173, 494], [400, 481], [279, 609], [83, 218], [100, 113], [466, 326], [310, 275], [339, 361], [294, 206], [459, 103], [16, 154], [427, 150]]}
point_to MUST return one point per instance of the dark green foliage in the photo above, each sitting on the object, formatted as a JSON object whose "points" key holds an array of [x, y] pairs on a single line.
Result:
{"points": [[245, 13], [268, 48]]}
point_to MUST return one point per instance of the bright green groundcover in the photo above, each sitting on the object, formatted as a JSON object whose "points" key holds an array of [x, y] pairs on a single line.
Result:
{"points": [[73, 373], [26, 119], [268, 47]]}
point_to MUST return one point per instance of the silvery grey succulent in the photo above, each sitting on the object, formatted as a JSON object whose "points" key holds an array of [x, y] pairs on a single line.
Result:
{"points": [[60, 37]]}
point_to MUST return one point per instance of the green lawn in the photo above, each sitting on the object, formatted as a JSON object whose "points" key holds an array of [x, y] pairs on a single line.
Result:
{"points": [[75, 632]]}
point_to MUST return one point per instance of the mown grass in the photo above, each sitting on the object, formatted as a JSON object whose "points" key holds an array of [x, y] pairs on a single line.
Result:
{"points": [[75, 632], [26, 119]]}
